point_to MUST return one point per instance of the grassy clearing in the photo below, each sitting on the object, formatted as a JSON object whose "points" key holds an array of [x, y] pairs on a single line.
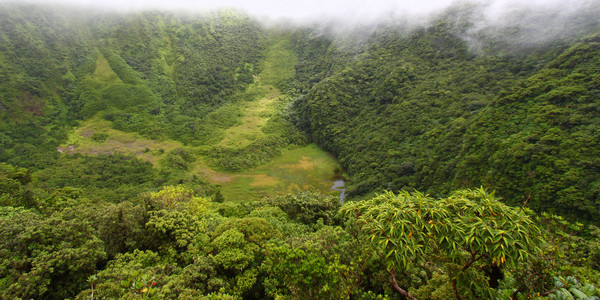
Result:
{"points": [[278, 68], [302, 168], [255, 116], [95, 136], [103, 72]]}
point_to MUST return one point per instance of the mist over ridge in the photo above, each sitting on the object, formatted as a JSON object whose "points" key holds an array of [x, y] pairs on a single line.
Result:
{"points": [[345, 12], [514, 22]]}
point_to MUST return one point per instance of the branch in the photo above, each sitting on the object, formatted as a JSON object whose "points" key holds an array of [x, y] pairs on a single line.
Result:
{"points": [[473, 259], [456, 294], [525, 203], [518, 289], [466, 266], [398, 288]]}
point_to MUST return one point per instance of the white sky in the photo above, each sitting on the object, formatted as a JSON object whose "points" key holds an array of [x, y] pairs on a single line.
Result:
{"points": [[296, 10], [349, 11]]}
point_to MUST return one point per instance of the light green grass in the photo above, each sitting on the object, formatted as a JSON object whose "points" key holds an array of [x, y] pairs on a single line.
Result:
{"points": [[104, 72], [256, 115], [303, 168], [80, 141], [277, 67]]}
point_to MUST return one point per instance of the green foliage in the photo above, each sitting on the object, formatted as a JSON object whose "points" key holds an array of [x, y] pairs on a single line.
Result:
{"points": [[172, 232], [232, 250], [569, 251], [311, 267], [110, 177], [218, 197], [189, 67], [14, 186], [280, 71], [400, 110], [308, 207], [255, 230], [45, 256], [123, 95], [407, 230], [256, 153], [179, 158], [570, 288], [99, 137], [139, 274], [176, 198], [121, 227], [439, 287], [421, 111], [550, 153], [30, 145], [121, 68]]}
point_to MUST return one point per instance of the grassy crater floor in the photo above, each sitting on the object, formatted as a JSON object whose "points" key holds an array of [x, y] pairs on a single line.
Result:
{"points": [[304, 168], [96, 136]]}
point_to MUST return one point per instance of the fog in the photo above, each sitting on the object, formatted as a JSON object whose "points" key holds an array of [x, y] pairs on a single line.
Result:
{"points": [[359, 11], [528, 22], [349, 11]]}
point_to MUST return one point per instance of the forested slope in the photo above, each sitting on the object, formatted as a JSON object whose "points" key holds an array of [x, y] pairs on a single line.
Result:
{"points": [[426, 111], [39, 52], [540, 140]]}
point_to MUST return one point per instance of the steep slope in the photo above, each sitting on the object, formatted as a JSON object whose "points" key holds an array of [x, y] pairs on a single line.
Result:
{"points": [[423, 111], [180, 68], [41, 50], [540, 140]]}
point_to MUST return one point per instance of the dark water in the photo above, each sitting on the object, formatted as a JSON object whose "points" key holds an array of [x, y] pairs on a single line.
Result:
{"points": [[340, 185]]}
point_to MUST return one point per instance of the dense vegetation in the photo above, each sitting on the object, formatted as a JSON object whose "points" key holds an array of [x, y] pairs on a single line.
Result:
{"points": [[443, 117], [117, 132]]}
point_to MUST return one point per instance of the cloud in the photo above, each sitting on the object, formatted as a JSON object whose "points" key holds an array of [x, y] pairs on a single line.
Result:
{"points": [[359, 11], [544, 16], [534, 22]]}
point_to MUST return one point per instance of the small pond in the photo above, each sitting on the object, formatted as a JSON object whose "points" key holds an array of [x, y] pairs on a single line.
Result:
{"points": [[340, 185]]}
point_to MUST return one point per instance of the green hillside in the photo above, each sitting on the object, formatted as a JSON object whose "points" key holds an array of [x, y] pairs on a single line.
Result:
{"points": [[441, 118]]}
